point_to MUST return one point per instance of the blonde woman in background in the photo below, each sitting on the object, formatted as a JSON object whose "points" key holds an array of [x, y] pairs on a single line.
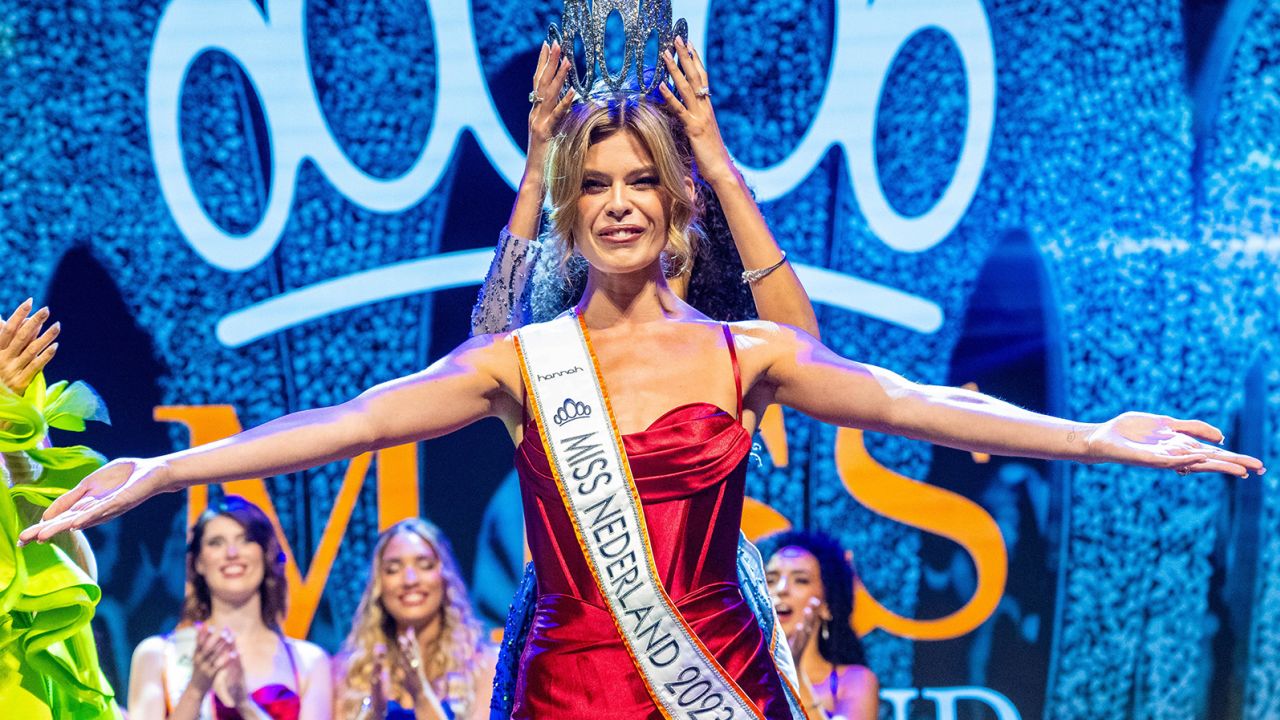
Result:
{"points": [[415, 650]]}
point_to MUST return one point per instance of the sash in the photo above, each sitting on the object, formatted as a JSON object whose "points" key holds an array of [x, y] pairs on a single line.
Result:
{"points": [[591, 471], [755, 589], [179, 664]]}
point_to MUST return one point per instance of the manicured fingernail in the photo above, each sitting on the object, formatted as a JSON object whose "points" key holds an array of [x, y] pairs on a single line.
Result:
{"points": [[29, 302]]}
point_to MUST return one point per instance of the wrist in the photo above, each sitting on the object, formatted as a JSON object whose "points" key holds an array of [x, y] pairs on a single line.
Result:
{"points": [[720, 175], [162, 476], [197, 688], [533, 185], [1081, 443]]}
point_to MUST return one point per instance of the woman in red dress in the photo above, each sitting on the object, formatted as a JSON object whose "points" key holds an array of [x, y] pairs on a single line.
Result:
{"points": [[685, 393]]}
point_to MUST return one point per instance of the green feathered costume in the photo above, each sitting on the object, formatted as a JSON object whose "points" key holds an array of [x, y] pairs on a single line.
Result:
{"points": [[48, 661]]}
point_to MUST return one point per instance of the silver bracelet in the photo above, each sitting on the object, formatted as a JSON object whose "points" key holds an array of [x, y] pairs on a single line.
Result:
{"points": [[751, 277]]}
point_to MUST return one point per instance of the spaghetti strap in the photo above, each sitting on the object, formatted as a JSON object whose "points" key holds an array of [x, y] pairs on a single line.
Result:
{"points": [[293, 665], [164, 676], [737, 372]]}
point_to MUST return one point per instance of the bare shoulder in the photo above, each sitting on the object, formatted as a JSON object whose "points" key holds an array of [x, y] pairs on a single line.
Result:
{"points": [[486, 667], [148, 660], [764, 332], [339, 665], [857, 680], [497, 347], [487, 655], [761, 343], [497, 355], [340, 659], [309, 654], [150, 649]]}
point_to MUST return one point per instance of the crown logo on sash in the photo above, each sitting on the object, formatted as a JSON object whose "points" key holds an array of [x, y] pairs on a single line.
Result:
{"points": [[571, 410], [642, 20]]}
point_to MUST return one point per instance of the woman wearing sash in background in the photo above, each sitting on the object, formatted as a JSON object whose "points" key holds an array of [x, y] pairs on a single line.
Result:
{"points": [[228, 659], [638, 396], [415, 649], [811, 581]]}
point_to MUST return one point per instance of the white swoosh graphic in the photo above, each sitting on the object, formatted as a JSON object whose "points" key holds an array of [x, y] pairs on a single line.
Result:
{"points": [[468, 267]]}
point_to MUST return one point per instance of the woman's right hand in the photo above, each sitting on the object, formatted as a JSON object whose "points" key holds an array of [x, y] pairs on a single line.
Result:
{"points": [[544, 114], [375, 704], [547, 105], [113, 489]]}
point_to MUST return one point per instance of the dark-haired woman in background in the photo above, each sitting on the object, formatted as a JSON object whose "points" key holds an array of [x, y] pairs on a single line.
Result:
{"points": [[229, 659], [811, 581]]}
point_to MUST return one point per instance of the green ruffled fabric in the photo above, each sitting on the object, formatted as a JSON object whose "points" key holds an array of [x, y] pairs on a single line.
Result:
{"points": [[48, 660]]}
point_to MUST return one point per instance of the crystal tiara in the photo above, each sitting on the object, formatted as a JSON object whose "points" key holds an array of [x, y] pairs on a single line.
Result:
{"points": [[585, 20]]}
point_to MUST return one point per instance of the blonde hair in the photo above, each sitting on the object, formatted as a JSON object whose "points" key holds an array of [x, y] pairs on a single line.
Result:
{"points": [[590, 122], [457, 656]]}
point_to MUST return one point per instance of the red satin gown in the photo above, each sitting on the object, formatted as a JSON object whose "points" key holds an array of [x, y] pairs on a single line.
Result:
{"points": [[690, 469]]}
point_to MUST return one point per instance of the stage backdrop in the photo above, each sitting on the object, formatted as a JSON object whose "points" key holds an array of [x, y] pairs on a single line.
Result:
{"points": [[240, 209]]}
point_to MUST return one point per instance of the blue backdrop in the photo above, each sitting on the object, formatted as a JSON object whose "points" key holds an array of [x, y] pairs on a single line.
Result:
{"points": [[1071, 203]]}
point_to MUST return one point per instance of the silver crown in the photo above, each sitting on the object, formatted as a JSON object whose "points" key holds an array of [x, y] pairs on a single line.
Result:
{"points": [[641, 19]]}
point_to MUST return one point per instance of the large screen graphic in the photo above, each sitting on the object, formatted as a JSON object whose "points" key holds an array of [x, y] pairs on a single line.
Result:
{"points": [[240, 209]]}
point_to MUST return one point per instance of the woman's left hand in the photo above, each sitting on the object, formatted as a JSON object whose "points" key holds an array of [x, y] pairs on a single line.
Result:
{"points": [[1159, 441], [24, 350], [694, 109], [228, 684], [411, 664]]}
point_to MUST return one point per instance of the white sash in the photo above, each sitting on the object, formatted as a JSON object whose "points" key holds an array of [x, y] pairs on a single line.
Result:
{"points": [[590, 466], [179, 664]]}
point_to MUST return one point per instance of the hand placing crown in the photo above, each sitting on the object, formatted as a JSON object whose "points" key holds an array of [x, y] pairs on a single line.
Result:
{"points": [[585, 20]]}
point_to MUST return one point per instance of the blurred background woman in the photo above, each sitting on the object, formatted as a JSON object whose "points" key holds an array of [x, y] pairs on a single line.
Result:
{"points": [[228, 658], [415, 648], [811, 582]]}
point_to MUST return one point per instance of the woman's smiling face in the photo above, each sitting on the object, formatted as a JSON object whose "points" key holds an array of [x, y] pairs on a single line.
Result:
{"points": [[623, 213]]}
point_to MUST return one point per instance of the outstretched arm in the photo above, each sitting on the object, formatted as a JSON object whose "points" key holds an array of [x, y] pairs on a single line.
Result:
{"points": [[799, 371], [476, 380], [778, 296]]}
